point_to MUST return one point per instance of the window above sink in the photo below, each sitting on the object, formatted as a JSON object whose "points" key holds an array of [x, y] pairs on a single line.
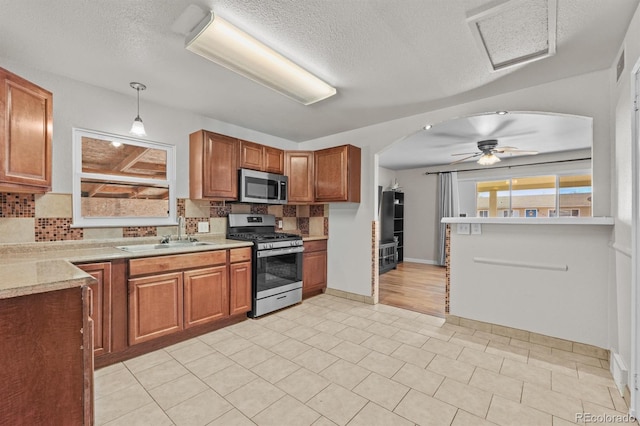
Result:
{"points": [[122, 181]]}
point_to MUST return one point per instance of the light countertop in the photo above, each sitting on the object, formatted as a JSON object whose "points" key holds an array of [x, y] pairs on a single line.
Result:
{"points": [[40, 267]]}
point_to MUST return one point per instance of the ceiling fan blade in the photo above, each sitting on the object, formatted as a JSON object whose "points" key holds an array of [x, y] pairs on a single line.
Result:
{"points": [[465, 153], [466, 158], [505, 149], [511, 150]]}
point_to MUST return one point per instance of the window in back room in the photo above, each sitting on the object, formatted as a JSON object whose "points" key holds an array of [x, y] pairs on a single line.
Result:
{"points": [[535, 196]]}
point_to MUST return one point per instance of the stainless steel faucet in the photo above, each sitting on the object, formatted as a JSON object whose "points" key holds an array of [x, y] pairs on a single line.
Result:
{"points": [[181, 227]]}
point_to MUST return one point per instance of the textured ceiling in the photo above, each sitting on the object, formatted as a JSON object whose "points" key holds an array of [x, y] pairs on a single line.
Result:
{"points": [[388, 59]]}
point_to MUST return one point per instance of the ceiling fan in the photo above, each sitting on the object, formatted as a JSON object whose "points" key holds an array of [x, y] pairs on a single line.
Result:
{"points": [[488, 150]]}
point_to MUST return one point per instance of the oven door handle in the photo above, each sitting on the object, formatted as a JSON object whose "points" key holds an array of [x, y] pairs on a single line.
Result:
{"points": [[280, 251]]}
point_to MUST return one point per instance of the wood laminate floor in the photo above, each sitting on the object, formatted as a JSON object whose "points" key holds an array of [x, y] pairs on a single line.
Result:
{"points": [[416, 287]]}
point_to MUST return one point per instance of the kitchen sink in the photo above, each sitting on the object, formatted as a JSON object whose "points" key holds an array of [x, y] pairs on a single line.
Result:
{"points": [[170, 245]]}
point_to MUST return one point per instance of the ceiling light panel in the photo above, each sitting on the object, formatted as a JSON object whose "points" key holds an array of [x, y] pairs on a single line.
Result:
{"points": [[516, 32], [221, 42]]}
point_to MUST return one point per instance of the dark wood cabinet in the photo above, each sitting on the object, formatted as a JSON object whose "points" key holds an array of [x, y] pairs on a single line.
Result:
{"points": [[259, 157], [47, 361], [26, 116], [298, 166], [101, 305], [205, 295], [213, 166], [337, 174], [240, 280], [314, 268]]}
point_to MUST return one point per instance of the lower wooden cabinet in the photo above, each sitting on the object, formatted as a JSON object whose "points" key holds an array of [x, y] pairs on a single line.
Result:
{"points": [[314, 268], [101, 305], [46, 376], [168, 294], [240, 274], [205, 295], [155, 306]]}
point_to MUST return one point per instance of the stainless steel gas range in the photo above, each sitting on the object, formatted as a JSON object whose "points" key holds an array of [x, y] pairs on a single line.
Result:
{"points": [[277, 262]]}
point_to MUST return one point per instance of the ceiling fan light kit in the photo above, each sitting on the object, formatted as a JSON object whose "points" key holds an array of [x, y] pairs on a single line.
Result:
{"points": [[488, 159], [487, 152], [221, 42]]}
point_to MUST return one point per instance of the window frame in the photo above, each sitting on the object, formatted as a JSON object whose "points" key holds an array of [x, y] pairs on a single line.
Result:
{"points": [[126, 221], [485, 177]]}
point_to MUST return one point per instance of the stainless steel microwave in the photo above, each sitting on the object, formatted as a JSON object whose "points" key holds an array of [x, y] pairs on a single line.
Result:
{"points": [[261, 187]]}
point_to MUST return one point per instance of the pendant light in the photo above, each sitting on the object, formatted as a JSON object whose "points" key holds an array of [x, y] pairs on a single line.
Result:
{"points": [[137, 128]]}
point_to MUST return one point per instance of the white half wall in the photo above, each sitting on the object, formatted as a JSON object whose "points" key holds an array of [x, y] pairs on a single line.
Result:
{"points": [[569, 304]]}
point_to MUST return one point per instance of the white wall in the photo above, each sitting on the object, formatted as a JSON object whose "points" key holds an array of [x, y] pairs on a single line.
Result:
{"points": [[386, 178], [420, 215], [620, 294], [567, 304], [586, 95], [76, 104]]}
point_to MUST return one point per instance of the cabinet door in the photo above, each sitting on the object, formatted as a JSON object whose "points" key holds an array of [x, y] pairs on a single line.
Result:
{"points": [[205, 295], [155, 306], [314, 267], [337, 174], [240, 295], [101, 298], [26, 112], [213, 166], [251, 156], [273, 159], [299, 169]]}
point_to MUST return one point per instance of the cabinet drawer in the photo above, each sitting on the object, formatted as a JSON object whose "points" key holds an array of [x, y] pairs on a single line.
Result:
{"points": [[240, 255], [151, 265], [319, 245]]}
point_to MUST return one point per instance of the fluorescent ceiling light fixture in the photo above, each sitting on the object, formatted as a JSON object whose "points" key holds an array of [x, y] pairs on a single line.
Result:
{"points": [[515, 32], [488, 159], [219, 41]]}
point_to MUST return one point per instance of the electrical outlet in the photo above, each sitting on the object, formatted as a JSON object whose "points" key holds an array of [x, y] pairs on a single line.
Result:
{"points": [[280, 224], [476, 228], [463, 228], [203, 227]]}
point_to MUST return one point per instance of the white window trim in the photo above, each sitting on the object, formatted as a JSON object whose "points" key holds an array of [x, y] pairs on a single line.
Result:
{"points": [[92, 222]]}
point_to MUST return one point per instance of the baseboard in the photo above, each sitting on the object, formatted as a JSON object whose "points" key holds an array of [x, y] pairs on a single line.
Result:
{"points": [[351, 296], [619, 372], [423, 261], [532, 337]]}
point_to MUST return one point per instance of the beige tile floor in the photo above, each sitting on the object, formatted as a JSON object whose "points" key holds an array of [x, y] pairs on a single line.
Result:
{"points": [[332, 361]]}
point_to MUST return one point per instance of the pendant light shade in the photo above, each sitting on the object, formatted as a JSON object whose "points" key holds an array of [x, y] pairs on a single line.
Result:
{"points": [[137, 128]]}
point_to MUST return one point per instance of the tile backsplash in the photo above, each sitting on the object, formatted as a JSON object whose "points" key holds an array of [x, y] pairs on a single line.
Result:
{"points": [[48, 217]]}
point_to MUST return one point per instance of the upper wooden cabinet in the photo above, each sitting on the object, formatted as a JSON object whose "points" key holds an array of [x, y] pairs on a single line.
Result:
{"points": [[264, 158], [298, 166], [337, 174], [213, 166], [26, 115]]}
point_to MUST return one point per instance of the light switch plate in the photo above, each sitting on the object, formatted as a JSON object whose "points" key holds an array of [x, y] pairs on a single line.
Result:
{"points": [[463, 228], [203, 226], [476, 228]]}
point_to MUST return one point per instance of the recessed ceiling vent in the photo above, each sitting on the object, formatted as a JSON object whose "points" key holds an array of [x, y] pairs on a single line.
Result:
{"points": [[514, 32]]}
